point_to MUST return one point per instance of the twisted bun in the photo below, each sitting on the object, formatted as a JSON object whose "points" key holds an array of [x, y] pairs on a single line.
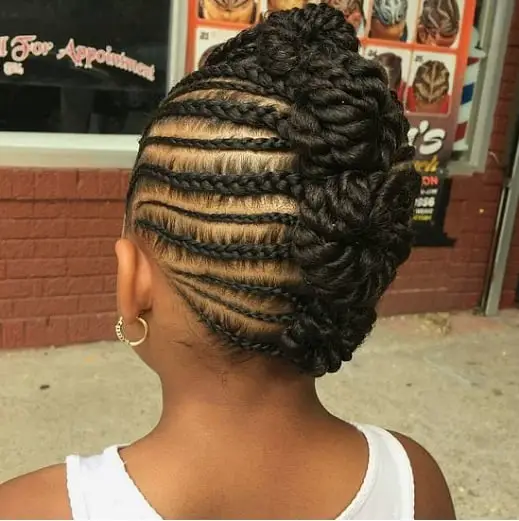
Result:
{"points": [[355, 181]]}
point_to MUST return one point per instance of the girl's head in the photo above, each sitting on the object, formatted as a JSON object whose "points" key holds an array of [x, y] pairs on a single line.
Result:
{"points": [[431, 86], [388, 19], [439, 23], [393, 67], [270, 203]]}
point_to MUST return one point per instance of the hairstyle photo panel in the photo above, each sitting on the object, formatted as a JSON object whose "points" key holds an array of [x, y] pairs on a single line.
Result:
{"points": [[431, 80], [439, 23], [393, 20], [232, 11], [206, 40], [396, 62]]}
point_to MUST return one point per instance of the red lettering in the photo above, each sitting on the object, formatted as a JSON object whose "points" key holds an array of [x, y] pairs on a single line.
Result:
{"points": [[430, 180]]}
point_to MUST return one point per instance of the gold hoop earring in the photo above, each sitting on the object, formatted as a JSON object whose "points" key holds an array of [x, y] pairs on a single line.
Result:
{"points": [[119, 331]]}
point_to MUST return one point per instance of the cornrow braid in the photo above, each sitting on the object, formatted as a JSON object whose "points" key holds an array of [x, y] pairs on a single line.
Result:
{"points": [[218, 251], [270, 291], [300, 135], [264, 218], [255, 315], [232, 337], [225, 85], [285, 183], [246, 113], [265, 144]]}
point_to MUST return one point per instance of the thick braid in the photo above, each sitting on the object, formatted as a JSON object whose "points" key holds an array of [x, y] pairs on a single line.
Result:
{"points": [[267, 143], [284, 183], [230, 251], [348, 131], [250, 114], [240, 310], [235, 218], [241, 287]]}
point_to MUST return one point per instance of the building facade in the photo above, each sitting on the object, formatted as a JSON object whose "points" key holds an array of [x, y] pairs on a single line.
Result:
{"points": [[59, 222]]}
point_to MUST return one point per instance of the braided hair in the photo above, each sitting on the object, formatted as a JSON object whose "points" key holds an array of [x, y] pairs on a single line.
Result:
{"points": [[390, 12], [441, 17], [275, 187], [431, 82]]}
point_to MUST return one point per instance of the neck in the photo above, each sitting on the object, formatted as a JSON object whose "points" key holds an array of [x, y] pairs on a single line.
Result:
{"points": [[246, 399]]}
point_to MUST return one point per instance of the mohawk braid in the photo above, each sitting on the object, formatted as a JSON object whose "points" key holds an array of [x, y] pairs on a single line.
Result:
{"points": [[351, 178]]}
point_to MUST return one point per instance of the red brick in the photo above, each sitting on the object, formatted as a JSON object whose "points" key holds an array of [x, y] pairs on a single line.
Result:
{"points": [[110, 283], [110, 186], [2, 270], [480, 255], [25, 228], [44, 307], [97, 303], [16, 209], [49, 248], [60, 184], [92, 327], [508, 299], [13, 334], [16, 184], [51, 209], [44, 332], [88, 184], [90, 285], [6, 308], [512, 56], [10, 289], [94, 227], [16, 249], [96, 210], [32, 268], [94, 266]]}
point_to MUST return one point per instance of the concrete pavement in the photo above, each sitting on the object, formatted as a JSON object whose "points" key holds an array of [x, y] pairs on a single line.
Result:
{"points": [[452, 382]]}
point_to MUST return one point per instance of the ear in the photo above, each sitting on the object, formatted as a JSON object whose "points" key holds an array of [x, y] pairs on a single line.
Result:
{"points": [[134, 280]]}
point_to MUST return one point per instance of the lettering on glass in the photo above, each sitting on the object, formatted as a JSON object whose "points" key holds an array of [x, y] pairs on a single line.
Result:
{"points": [[17, 49]]}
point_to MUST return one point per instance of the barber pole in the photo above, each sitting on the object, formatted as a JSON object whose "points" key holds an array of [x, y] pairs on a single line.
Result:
{"points": [[467, 96]]}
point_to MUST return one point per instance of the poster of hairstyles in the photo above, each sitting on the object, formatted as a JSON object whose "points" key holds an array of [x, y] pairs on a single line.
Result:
{"points": [[396, 63], [230, 11], [422, 45], [393, 20], [440, 22], [431, 84]]}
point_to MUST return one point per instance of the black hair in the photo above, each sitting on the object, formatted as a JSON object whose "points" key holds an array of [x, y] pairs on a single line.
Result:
{"points": [[276, 187]]}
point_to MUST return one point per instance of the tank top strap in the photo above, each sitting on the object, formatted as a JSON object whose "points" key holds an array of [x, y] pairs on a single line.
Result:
{"points": [[100, 488], [387, 491]]}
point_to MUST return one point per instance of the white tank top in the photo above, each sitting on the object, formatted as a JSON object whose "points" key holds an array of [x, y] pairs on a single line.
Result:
{"points": [[100, 488]]}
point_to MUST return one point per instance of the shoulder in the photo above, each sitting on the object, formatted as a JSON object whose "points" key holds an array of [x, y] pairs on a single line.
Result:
{"points": [[432, 496], [39, 495]]}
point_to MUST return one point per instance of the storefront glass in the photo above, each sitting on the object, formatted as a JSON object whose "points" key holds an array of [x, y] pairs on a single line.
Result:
{"points": [[80, 66]]}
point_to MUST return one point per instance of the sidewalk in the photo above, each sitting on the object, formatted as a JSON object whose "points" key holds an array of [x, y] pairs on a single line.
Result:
{"points": [[452, 382]]}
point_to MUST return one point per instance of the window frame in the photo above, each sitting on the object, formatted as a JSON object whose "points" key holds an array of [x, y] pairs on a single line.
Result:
{"points": [[57, 150], [61, 150], [495, 26]]}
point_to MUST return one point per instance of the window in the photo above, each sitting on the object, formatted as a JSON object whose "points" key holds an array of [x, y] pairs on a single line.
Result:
{"points": [[82, 66], [72, 71]]}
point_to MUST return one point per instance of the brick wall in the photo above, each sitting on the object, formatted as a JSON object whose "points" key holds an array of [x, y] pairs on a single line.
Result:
{"points": [[511, 86], [57, 266]]}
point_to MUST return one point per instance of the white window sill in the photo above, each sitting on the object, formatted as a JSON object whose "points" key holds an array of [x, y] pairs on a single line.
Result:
{"points": [[39, 150]]}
